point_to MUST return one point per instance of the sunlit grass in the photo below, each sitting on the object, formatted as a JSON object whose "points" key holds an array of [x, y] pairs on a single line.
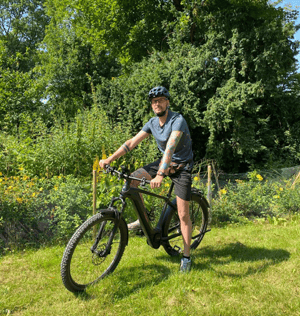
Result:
{"points": [[237, 270]]}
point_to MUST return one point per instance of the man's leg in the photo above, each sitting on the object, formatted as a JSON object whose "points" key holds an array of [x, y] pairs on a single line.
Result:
{"points": [[185, 224], [139, 173]]}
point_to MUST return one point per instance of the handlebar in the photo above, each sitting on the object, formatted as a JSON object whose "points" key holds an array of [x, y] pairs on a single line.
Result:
{"points": [[124, 175]]}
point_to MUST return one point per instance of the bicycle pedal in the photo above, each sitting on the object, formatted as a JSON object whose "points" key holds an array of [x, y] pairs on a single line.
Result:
{"points": [[177, 248]]}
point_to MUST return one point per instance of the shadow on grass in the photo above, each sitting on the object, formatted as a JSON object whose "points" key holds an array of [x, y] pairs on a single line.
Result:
{"points": [[257, 258], [146, 275]]}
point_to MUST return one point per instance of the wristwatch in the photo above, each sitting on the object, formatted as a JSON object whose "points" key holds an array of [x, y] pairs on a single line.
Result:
{"points": [[160, 173]]}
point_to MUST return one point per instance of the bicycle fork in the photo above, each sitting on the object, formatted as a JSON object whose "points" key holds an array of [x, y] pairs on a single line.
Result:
{"points": [[106, 251]]}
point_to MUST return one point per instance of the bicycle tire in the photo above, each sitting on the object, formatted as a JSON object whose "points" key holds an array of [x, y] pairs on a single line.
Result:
{"points": [[199, 216], [79, 266]]}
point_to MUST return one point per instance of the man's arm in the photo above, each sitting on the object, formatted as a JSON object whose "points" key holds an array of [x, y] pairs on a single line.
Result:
{"points": [[167, 157], [125, 148]]}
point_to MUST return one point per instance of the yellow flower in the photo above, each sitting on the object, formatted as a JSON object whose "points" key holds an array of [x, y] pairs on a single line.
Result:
{"points": [[33, 194], [19, 200], [167, 184], [259, 177], [196, 179], [0, 174], [103, 153], [280, 189], [223, 191], [276, 196], [96, 164], [41, 189]]}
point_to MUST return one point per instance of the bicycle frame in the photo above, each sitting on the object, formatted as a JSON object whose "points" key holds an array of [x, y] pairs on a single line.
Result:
{"points": [[153, 234]]}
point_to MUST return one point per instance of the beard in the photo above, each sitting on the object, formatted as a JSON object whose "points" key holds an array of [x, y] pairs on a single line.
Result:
{"points": [[160, 114], [163, 113]]}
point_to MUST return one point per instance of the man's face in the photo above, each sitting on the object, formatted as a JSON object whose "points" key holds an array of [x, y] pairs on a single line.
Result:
{"points": [[159, 105]]}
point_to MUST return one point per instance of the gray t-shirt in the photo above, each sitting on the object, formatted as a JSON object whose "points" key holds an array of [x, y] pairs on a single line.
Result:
{"points": [[175, 122]]}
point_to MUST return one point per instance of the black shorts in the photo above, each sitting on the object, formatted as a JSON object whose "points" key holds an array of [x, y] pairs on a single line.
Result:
{"points": [[182, 179]]}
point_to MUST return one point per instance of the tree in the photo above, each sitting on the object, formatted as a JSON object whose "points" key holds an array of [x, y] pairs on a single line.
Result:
{"points": [[22, 26], [228, 70]]}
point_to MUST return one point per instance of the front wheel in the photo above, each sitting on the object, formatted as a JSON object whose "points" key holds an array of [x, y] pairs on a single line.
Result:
{"points": [[94, 250], [172, 237]]}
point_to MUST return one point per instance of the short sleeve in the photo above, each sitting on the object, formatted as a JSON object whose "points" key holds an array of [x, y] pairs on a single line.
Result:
{"points": [[178, 124], [146, 128]]}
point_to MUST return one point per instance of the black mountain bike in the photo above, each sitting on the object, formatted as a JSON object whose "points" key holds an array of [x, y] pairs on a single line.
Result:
{"points": [[97, 246]]}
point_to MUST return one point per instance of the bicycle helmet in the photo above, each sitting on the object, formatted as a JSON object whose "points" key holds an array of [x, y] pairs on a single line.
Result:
{"points": [[158, 92]]}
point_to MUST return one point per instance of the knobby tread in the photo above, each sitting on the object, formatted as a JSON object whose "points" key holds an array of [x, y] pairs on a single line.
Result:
{"points": [[103, 215]]}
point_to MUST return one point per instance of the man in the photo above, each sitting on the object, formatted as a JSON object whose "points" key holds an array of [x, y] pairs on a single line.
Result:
{"points": [[172, 135]]}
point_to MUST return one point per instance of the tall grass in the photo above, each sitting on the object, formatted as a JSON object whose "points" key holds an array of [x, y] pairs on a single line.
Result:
{"points": [[237, 270], [67, 147]]}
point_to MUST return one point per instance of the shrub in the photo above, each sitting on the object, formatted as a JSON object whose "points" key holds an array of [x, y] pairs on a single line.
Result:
{"points": [[69, 148], [34, 210], [255, 198]]}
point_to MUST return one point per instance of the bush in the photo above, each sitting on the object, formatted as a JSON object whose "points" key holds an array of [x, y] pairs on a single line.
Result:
{"points": [[34, 210], [255, 198], [68, 148]]}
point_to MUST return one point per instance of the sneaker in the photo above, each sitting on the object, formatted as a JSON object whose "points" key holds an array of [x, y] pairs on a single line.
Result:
{"points": [[185, 265], [134, 225]]}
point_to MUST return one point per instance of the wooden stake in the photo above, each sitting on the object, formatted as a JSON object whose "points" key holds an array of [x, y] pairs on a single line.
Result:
{"points": [[94, 191], [209, 194], [94, 198], [295, 181]]}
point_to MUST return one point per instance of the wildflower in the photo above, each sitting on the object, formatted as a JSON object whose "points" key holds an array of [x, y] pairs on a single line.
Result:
{"points": [[276, 196], [19, 200], [196, 179], [0, 174], [96, 163], [41, 189], [223, 191], [167, 184], [33, 194], [103, 153], [259, 177], [21, 168], [280, 189]]}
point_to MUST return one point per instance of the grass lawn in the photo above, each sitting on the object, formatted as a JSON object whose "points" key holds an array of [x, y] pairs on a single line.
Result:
{"points": [[237, 270]]}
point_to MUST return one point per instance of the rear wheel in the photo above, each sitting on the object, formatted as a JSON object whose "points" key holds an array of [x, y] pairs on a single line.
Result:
{"points": [[172, 237], [88, 256]]}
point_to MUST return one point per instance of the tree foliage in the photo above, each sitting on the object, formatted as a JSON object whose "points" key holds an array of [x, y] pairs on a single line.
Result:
{"points": [[22, 28], [229, 65], [228, 71]]}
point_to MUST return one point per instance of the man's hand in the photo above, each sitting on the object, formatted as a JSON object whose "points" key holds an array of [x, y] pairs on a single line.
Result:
{"points": [[104, 162], [156, 182]]}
